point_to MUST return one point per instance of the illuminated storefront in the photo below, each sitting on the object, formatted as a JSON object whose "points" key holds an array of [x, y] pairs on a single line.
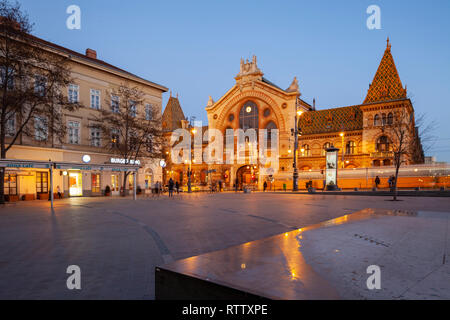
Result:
{"points": [[75, 184]]}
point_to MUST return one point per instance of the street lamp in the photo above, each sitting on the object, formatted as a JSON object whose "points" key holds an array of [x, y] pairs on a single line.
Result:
{"points": [[194, 131], [298, 113], [343, 149]]}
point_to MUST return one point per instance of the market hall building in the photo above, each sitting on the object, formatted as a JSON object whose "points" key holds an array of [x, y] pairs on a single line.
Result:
{"points": [[83, 145], [255, 102]]}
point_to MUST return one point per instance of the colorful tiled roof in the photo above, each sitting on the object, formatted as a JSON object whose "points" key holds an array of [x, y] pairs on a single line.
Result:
{"points": [[386, 84], [173, 115], [331, 120]]}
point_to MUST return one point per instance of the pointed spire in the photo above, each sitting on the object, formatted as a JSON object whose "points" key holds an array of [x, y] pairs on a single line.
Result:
{"points": [[386, 84], [210, 102]]}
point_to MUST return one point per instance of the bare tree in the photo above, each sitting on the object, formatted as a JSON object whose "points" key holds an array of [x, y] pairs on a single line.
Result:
{"points": [[131, 129], [32, 78], [404, 138]]}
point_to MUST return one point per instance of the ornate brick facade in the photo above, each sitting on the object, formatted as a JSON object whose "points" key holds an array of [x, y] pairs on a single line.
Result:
{"points": [[358, 130]]}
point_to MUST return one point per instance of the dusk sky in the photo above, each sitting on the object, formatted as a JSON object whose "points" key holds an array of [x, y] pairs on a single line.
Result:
{"points": [[194, 47]]}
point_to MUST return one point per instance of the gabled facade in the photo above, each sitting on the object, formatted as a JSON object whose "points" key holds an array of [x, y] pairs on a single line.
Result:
{"points": [[358, 131]]}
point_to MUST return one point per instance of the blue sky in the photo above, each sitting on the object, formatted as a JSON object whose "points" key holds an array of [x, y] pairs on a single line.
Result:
{"points": [[194, 47]]}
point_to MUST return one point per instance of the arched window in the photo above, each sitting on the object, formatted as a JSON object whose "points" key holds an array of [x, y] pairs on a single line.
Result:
{"points": [[306, 150], [248, 116], [390, 118], [270, 126], [386, 162], [325, 147], [350, 147], [384, 119], [383, 144], [376, 163], [376, 120]]}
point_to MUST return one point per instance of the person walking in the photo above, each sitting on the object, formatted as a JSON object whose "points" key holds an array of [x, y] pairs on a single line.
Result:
{"points": [[265, 186], [377, 181], [157, 188], [59, 192], [177, 187], [171, 185]]}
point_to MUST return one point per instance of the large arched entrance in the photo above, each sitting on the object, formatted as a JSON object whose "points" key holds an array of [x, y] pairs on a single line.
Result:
{"points": [[247, 176]]}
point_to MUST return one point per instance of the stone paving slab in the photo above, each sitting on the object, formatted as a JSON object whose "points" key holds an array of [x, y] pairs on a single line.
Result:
{"points": [[118, 242], [324, 261]]}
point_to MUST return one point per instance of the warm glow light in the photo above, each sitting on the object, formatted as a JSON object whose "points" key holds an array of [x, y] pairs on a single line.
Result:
{"points": [[185, 161], [194, 131], [341, 134], [64, 173], [299, 112], [302, 150], [249, 109], [289, 151]]}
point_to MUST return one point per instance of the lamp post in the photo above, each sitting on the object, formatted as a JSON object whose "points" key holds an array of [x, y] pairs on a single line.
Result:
{"points": [[194, 131], [298, 113], [343, 149]]}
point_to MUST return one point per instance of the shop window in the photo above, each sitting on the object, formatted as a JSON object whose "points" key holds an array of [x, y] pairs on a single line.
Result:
{"points": [[130, 181], [10, 184], [95, 186], [42, 182]]}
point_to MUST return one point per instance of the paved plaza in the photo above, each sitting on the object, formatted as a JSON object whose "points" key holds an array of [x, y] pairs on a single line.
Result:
{"points": [[118, 242]]}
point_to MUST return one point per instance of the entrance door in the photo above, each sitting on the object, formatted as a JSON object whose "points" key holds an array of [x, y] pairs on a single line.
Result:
{"points": [[75, 184], [115, 189], [247, 176]]}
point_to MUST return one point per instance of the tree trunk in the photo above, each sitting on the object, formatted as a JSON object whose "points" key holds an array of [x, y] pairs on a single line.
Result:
{"points": [[397, 168], [125, 176], [2, 170], [2, 185]]}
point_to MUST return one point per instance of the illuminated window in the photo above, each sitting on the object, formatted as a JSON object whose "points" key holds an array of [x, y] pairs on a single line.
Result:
{"points": [[350, 147], [248, 116], [326, 146], [41, 182], [383, 144], [306, 150], [95, 186]]}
